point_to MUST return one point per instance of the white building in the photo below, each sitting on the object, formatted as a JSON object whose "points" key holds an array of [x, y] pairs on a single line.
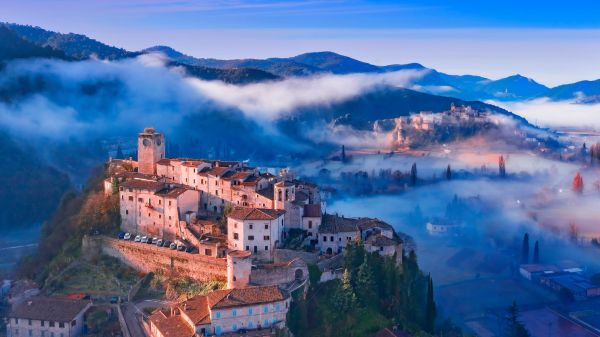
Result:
{"points": [[223, 311], [258, 230], [47, 317]]}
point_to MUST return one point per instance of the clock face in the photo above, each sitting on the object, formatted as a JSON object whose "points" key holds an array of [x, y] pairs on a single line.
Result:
{"points": [[146, 142], [158, 142]]}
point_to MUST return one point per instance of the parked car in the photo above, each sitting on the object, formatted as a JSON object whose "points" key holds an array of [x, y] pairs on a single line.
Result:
{"points": [[191, 250], [137, 238], [127, 236], [159, 243], [144, 239], [121, 235], [181, 247], [153, 241], [173, 246], [166, 244]]}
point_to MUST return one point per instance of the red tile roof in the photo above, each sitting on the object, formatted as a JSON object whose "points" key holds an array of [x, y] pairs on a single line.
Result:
{"points": [[172, 326], [237, 297], [312, 211], [247, 213], [49, 309], [142, 184]]}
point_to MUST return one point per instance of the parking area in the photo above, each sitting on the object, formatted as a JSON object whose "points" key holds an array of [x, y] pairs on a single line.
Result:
{"points": [[178, 245]]}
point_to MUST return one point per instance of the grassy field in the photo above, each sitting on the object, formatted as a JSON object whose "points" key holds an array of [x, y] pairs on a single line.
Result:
{"points": [[103, 277]]}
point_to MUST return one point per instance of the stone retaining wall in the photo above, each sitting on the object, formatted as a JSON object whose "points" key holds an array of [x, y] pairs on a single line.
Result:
{"points": [[149, 258]]}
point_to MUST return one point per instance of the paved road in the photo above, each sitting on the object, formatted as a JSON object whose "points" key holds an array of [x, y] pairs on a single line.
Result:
{"points": [[132, 312]]}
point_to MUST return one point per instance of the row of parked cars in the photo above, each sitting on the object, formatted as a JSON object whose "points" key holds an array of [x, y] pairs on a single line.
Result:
{"points": [[177, 245]]}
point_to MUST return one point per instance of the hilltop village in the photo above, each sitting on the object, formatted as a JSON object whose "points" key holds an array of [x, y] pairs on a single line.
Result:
{"points": [[225, 221]]}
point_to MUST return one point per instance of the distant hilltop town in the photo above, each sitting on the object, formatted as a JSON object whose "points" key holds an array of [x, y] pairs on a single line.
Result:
{"points": [[227, 221]]}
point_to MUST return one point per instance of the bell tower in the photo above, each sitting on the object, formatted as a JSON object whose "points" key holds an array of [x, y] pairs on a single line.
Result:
{"points": [[151, 149]]}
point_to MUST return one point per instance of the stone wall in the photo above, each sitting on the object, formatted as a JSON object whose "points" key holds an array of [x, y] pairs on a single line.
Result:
{"points": [[279, 273], [149, 258]]}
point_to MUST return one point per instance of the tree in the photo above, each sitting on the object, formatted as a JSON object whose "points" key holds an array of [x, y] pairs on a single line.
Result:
{"points": [[536, 252], [578, 183], [448, 173], [364, 282], [343, 153], [430, 310], [119, 154], [513, 327], [413, 174], [115, 185], [525, 249], [502, 167], [583, 149], [345, 298]]}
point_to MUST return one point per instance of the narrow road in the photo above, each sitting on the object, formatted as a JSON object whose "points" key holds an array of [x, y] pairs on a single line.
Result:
{"points": [[132, 312]]}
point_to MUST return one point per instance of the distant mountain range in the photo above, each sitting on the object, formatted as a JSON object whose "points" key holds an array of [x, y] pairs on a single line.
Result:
{"points": [[29, 41]]}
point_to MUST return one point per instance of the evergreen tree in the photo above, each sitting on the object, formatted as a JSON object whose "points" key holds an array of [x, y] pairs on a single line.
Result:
{"points": [[583, 149], [345, 298], [120, 154], [525, 249], [536, 252], [413, 174], [502, 167], [343, 153], [430, 309], [448, 172], [115, 185], [513, 327], [578, 183], [364, 282]]}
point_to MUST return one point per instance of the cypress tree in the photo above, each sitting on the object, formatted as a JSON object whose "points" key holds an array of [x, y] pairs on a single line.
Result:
{"points": [[448, 172], [365, 281], [536, 252], [413, 174], [430, 309], [502, 167], [525, 249], [115, 185]]}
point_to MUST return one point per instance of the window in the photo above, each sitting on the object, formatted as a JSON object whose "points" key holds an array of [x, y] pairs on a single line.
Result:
{"points": [[234, 327], [42, 323], [235, 225], [247, 247], [331, 238], [159, 201], [339, 239], [381, 249], [42, 333], [51, 323], [16, 321], [250, 237], [140, 200], [61, 325], [218, 314], [266, 226], [324, 238], [251, 226], [74, 322], [130, 198], [266, 247], [208, 252], [249, 311], [349, 238], [160, 216], [122, 197], [236, 236], [309, 224], [266, 309], [30, 332], [266, 322], [233, 313], [278, 307], [51, 334], [126, 211], [266, 238], [28, 322], [169, 217]]}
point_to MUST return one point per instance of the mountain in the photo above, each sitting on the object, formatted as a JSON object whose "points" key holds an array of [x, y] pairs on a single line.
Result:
{"points": [[13, 47], [513, 88], [335, 63], [233, 76], [31, 189], [583, 91], [76, 46]]}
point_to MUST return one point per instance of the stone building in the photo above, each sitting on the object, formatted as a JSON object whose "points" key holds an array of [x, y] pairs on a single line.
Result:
{"points": [[155, 208], [258, 230], [47, 317], [151, 149], [223, 311]]}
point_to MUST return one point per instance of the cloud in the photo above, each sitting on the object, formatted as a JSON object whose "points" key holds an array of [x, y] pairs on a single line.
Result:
{"points": [[547, 113], [272, 99]]}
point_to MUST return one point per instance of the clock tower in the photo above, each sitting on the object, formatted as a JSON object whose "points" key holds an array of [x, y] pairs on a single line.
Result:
{"points": [[151, 149]]}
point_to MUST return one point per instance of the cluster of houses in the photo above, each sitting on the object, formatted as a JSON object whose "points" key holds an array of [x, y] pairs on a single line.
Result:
{"points": [[563, 278]]}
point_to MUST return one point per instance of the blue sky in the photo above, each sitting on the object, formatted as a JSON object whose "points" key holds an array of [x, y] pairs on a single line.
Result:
{"points": [[550, 41]]}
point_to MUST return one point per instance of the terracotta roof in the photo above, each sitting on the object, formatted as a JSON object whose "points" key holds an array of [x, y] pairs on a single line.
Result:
{"points": [[143, 184], [49, 309], [173, 326], [335, 224], [379, 240], [238, 297], [134, 175], [285, 184], [247, 213], [173, 192], [366, 223], [164, 161], [268, 192], [312, 211], [196, 308], [218, 171]]}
